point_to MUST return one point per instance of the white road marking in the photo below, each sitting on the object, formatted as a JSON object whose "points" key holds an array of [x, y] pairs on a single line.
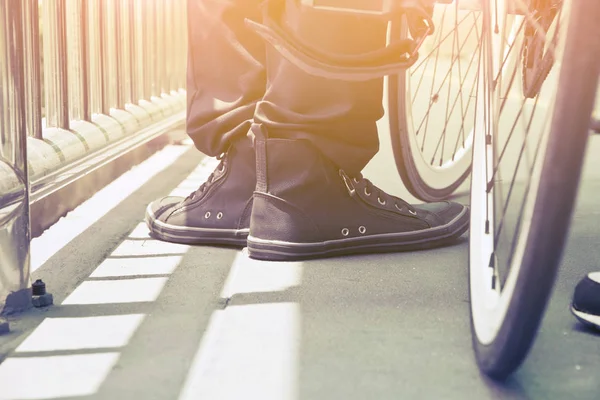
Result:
{"points": [[82, 333], [58, 377], [84, 216], [250, 351]]}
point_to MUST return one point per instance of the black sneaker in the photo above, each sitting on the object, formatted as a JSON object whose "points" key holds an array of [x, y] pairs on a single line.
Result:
{"points": [[218, 213], [306, 207], [586, 300]]}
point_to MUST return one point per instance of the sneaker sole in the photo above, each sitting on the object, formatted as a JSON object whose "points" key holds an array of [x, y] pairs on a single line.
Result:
{"points": [[275, 250], [586, 319], [189, 235]]}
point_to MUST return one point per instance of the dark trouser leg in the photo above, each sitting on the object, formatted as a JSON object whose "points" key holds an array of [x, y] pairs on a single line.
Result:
{"points": [[226, 72], [338, 117]]}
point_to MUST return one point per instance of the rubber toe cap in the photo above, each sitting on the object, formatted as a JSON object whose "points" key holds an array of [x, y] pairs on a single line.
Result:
{"points": [[441, 213], [157, 210]]}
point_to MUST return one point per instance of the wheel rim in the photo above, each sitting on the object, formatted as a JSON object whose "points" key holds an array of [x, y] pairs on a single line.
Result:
{"points": [[440, 135], [503, 192]]}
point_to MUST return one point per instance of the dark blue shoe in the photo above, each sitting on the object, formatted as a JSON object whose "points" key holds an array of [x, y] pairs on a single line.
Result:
{"points": [[586, 300], [218, 213]]}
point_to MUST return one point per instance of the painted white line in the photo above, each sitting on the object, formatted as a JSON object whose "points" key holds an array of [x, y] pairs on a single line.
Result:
{"points": [[145, 248], [55, 334], [123, 267], [196, 178], [54, 377], [252, 353], [116, 292], [140, 232], [254, 276], [84, 216]]}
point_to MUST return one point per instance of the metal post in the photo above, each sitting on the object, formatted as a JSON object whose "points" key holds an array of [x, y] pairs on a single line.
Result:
{"points": [[140, 54], [126, 50], [33, 83], [159, 49], [133, 52], [151, 45], [14, 191], [95, 55], [56, 82], [183, 62], [109, 56], [78, 59]]}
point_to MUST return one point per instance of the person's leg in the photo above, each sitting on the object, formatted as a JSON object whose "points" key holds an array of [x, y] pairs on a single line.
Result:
{"points": [[586, 300], [313, 136], [338, 117], [226, 74], [226, 78]]}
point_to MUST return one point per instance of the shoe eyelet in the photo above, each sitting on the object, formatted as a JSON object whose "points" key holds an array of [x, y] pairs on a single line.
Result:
{"points": [[367, 192], [207, 215], [362, 230], [345, 231], [382, 202], [412, 212], [355, 180], [219, 215], [398, 208]]}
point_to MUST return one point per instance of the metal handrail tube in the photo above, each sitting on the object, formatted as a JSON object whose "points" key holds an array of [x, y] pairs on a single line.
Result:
{"points": [[151, 59], [95, 55], [76, 16], [110, 42], [32, 66], [125, 55], [56, 81]]}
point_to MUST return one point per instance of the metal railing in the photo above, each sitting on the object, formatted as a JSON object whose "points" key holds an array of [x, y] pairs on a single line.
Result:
{"points": [[76, 77]]}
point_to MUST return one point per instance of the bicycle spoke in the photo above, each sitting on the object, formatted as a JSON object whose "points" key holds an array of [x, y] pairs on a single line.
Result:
{"points": [[516, 170], [459, 96], [432, 96], [445, 69], [442, 40], [462, 131], [509, 204]]}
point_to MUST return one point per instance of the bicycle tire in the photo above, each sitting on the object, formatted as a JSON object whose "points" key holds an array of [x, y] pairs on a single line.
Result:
{"points": [[552, 198], [405, 162], [424, 179]]}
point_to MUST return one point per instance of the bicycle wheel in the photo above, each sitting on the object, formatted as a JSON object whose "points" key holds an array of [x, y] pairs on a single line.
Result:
{"points": [[528, 152], [431, 107]]}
